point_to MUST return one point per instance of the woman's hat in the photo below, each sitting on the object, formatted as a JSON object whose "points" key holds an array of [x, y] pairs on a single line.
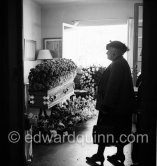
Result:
{"points": [[117, 44]]}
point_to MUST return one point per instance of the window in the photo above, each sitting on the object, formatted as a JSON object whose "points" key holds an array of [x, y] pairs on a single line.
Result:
{"points": [[86, 45]]}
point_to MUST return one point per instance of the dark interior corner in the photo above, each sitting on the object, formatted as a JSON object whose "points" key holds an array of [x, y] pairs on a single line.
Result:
{"points": [[13, 97], [149, 115]]}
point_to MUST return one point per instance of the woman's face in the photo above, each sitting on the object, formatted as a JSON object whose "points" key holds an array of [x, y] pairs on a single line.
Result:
{"points": [[112, 53]]}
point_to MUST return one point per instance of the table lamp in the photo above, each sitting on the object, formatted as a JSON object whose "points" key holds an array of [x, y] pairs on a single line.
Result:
{"points": [[44, 55]]}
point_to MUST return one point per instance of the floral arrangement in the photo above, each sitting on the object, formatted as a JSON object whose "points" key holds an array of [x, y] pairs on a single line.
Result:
{"points": [[66, 116], [91, 77], [50, 74]]}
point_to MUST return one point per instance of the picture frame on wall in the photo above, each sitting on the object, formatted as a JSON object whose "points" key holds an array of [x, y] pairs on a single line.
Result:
{"points": [[54, 45], [29, 50]]}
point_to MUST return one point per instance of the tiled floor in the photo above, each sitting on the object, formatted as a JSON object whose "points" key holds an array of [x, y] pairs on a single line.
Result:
{"points": [[73, 153]]}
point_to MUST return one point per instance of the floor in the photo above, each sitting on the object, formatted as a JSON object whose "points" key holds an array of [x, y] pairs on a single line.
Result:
{"points": [[74, 152]]}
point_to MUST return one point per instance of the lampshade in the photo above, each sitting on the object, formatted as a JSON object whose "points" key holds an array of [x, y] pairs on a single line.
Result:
{"points": [[44, 54]]}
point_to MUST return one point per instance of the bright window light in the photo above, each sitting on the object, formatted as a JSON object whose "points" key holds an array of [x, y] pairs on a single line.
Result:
{"points": [[87, 45], [92, 43]]}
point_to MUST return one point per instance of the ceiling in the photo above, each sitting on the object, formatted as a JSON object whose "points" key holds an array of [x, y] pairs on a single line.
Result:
{"points": [[42, 2]]}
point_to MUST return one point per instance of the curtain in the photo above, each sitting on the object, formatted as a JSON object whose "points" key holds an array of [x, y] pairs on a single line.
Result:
{"points": [[130, 41]]}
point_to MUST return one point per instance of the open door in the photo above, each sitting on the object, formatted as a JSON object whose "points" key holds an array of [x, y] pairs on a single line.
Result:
{"points": [[70, 45]]}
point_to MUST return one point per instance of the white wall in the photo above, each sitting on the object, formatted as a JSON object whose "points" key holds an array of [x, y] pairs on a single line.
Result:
{"points": [[54, 15], [31, 30]]}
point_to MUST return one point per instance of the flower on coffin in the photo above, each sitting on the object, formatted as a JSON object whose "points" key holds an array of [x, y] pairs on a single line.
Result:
{"points": [[50, 74], [61, 124], [53, 133], [65, 133]]}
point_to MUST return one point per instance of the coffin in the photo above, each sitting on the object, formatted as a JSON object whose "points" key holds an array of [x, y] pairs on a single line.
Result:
{"points": [[49, 98]]}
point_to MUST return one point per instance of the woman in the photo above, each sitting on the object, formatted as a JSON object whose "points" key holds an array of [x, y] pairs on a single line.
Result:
{"points": [[115, 102]]}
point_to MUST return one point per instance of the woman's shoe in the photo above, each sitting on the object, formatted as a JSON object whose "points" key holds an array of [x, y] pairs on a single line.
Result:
{"points": [[95, 158], [116, 159]]}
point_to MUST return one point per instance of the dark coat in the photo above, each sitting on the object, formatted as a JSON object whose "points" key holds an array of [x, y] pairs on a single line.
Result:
{"points": [[116, 96]]}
